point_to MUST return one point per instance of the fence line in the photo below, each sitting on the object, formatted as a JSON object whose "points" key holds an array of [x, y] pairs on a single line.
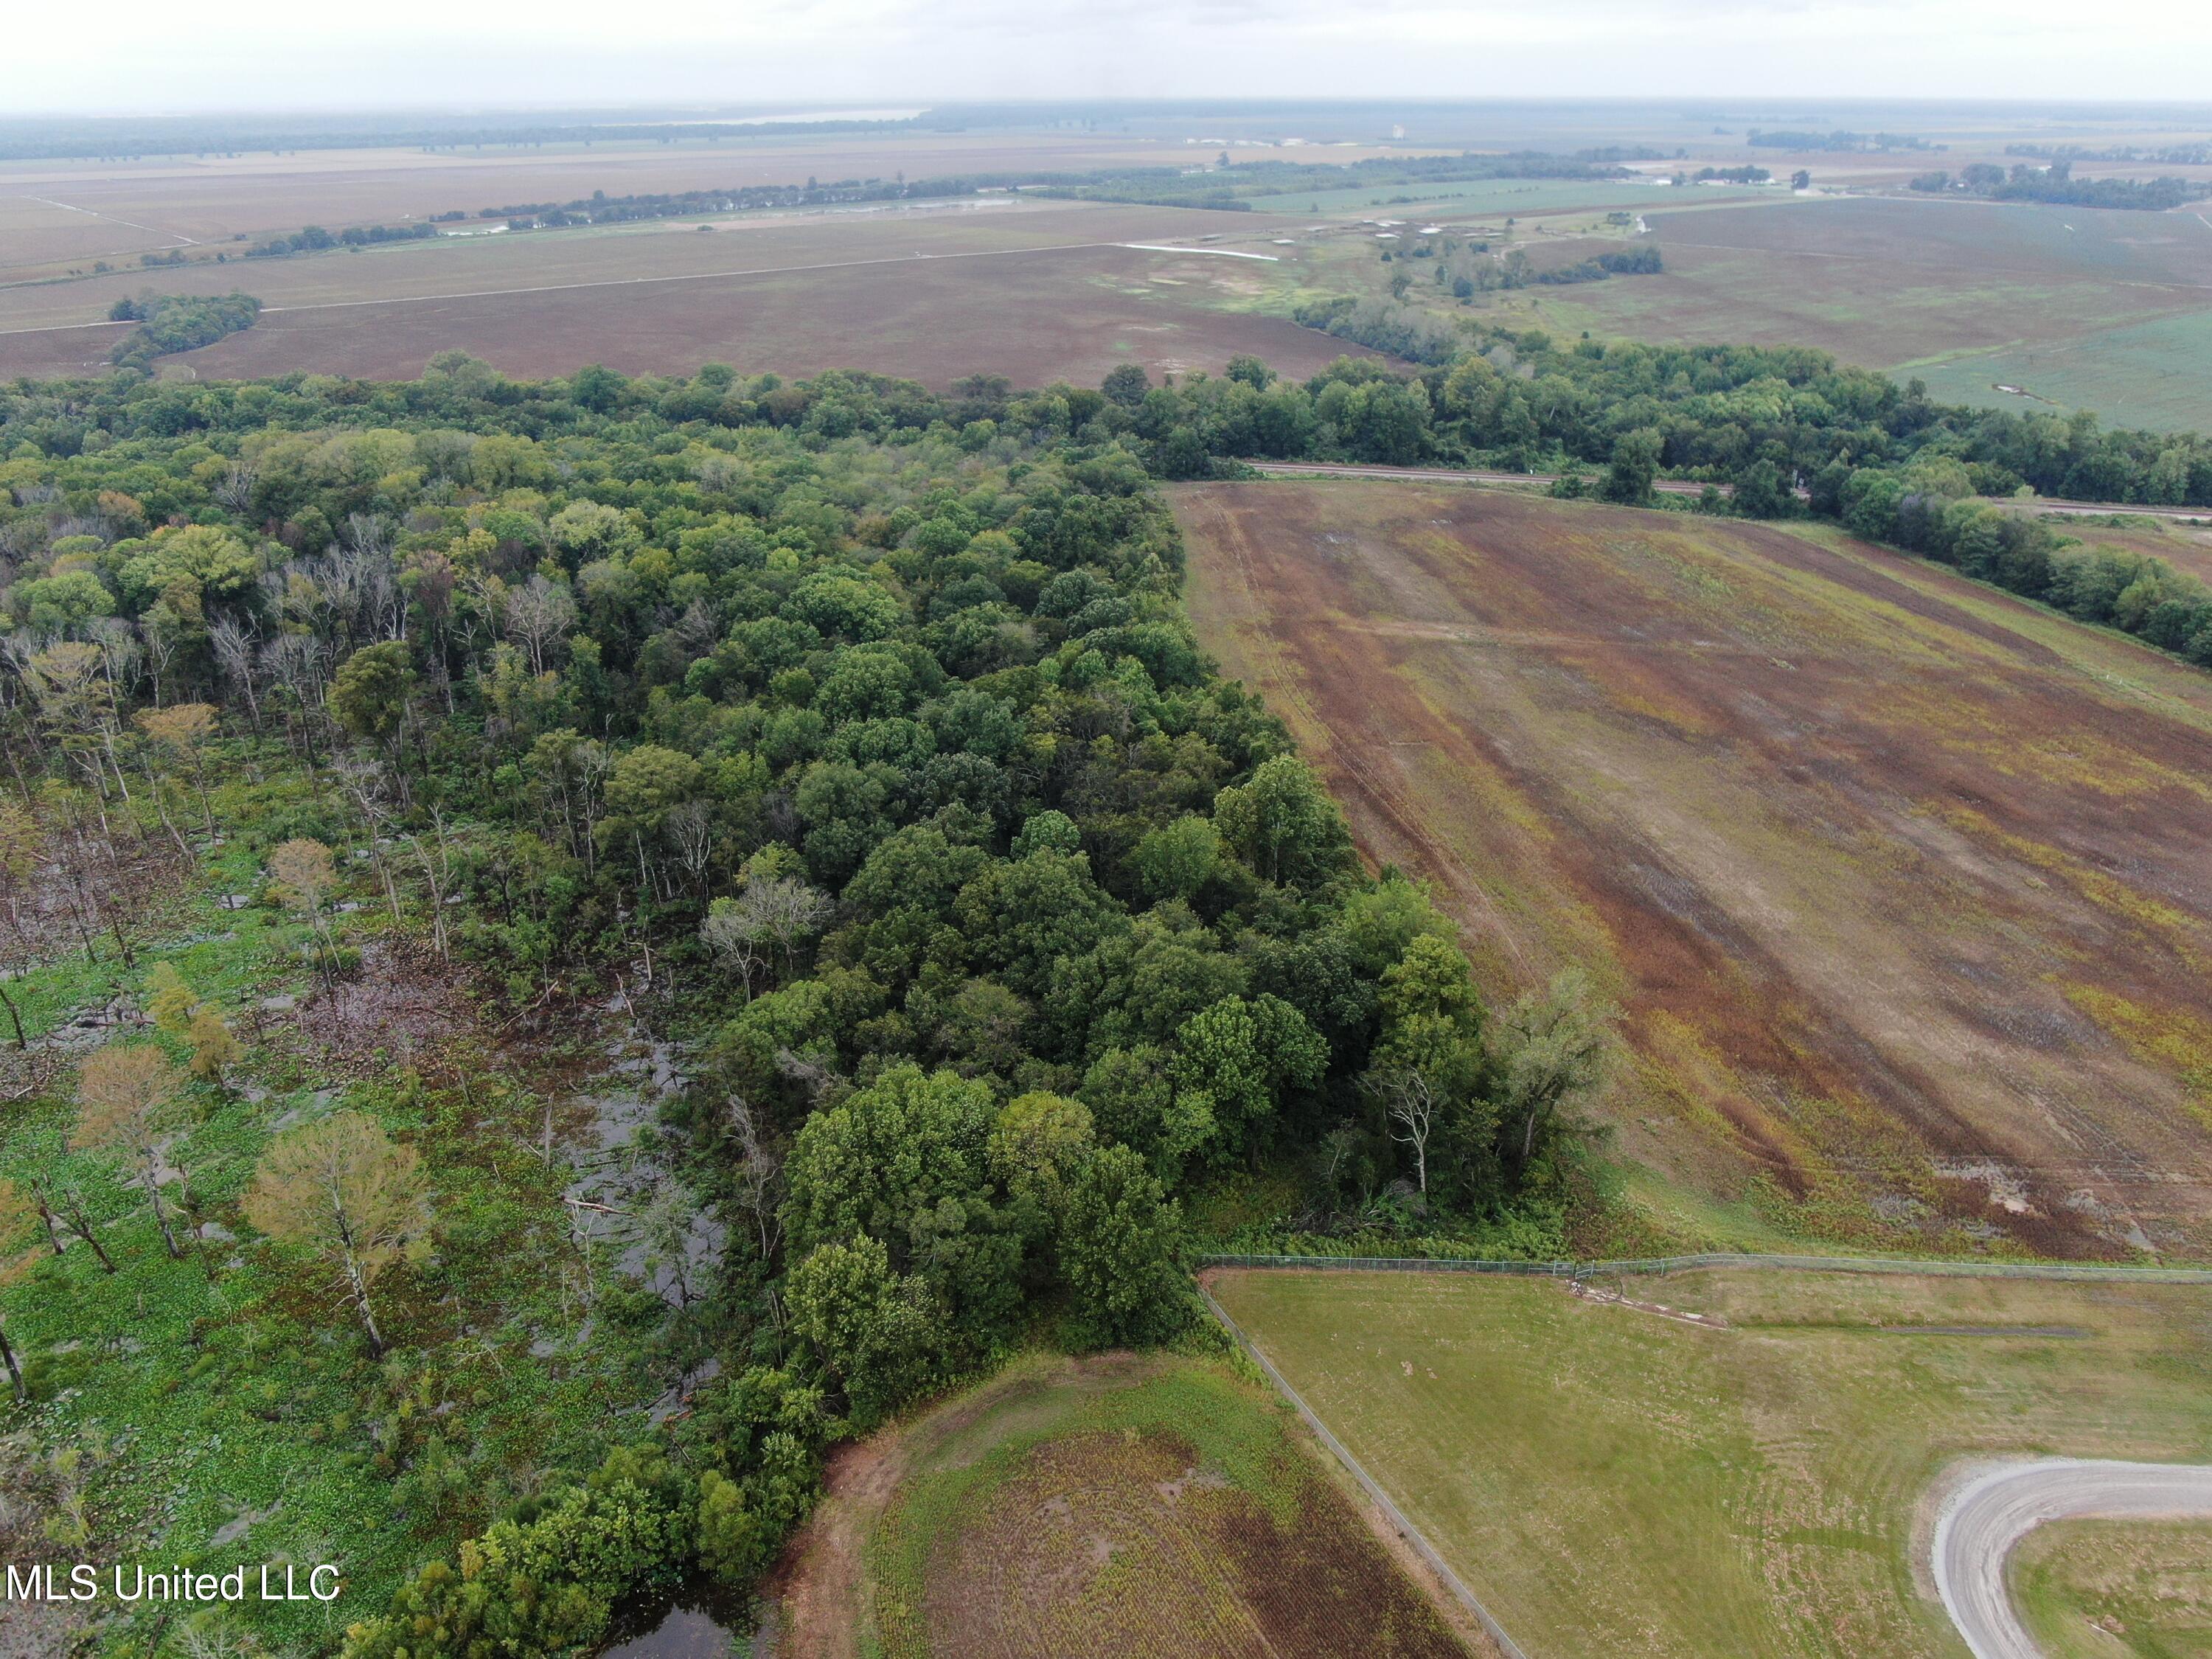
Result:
{"points": [[1662, 1265], [1581, 1270], [1411, 1533]]}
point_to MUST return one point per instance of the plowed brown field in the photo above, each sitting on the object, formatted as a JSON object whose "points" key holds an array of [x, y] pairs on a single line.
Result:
{"points": [[1034, 291], [1902, 885]]}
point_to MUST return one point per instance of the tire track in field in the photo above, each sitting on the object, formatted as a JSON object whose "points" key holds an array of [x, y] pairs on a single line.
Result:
{"points": [[181, 239]]}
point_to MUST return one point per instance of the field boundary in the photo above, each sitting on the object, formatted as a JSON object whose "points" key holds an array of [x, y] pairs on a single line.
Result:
{"points": [[1411, 1533], [1659, 1265]]}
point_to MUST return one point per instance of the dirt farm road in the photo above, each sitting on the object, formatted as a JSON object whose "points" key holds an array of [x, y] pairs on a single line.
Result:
{"points": [[1985, 1518], [1670, 487]]}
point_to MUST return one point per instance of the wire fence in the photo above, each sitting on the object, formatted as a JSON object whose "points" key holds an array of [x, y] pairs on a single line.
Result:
{"points": [[1937, 1266], [1411, 1533], [1583, 1270]]}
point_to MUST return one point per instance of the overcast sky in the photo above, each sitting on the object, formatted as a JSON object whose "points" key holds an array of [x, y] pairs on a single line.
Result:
{"points": [[137, 57]]}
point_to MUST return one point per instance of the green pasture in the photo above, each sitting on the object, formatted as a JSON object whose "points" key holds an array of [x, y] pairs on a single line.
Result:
{"points": [[1610, 1480], [1496, 197], [2155, 373], [2100, 1589]]}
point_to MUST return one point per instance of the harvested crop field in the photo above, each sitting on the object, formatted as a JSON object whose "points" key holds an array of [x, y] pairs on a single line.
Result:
{"points": [[1612, 1480], [1900, 883], [1034, 294], [1118, 1506]]}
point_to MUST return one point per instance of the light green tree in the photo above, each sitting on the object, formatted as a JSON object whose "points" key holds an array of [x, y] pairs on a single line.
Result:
{"points": [[341, 1188]]}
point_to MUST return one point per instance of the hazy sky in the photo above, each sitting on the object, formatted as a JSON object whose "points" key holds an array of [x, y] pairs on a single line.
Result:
{"points": [[134, 56]]}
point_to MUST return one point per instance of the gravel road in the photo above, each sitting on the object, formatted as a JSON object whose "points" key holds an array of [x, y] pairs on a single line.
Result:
{"points": [[1986, 1517]]}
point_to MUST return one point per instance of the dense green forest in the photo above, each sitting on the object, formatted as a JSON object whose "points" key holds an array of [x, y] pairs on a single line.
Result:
{"points": [[848, 735]]}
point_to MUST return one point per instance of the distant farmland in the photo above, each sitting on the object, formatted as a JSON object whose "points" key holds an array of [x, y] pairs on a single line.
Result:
{"points": [[210, 198], [2110, 311], [1036, 292], [1611, 1480], [1901, 883]]}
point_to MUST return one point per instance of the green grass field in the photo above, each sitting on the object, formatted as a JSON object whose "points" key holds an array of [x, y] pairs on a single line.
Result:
{"points": [[1497, 197], [1612, 1480], [1128, 1506], [2156, 374], [2107, 311], [2099, 1590]]}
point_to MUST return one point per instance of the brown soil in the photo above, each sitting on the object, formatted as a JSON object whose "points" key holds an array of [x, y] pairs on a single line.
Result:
{"points": [[1034, 294], [820, 1586], [1194, 1553], [1034, 317], [1900, 883], [1115, 1544]]}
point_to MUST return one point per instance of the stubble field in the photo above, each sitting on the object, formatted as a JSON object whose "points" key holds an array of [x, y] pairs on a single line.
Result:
{"points": [[1612, 1480], [1899, 882], [1035, 291]]}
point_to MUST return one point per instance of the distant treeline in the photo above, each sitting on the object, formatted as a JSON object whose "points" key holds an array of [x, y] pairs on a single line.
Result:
{"points": [[1644, 261], [1838, 140], [178, 322], [1233, 187], [1419, 336], [2057, 184], [601, 209], [2171, 155], [314, 238]]}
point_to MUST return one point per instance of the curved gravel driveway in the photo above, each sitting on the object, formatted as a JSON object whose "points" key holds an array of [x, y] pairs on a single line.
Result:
{"points": [[1986, 1517]]}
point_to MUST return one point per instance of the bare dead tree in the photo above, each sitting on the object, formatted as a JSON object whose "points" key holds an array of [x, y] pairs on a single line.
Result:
{"points": [[364, 783], [758, 1188], [777, 912], [1411, 1104], [436, 874], [234, 643], [236, 489], [689, 827], [538, 615]]}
